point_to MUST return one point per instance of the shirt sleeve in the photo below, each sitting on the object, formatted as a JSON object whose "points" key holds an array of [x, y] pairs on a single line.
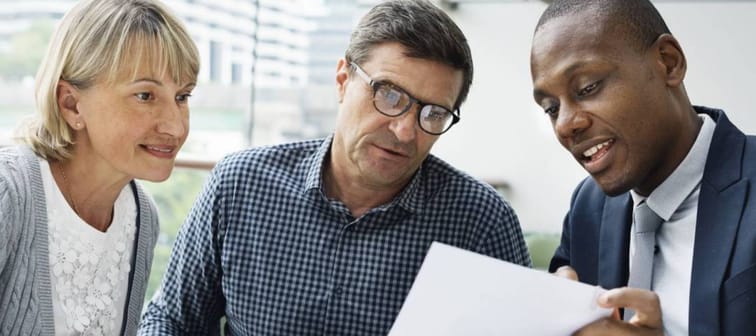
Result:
{"points": [[499, 234], [6, 208], [190, 300], [562, 254]]}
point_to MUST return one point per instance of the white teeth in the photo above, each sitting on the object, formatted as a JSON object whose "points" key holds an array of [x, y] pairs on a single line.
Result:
{"points": [[162, 150], [593, 150]]}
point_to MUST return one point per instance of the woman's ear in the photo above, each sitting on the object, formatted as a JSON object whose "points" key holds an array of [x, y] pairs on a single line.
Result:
{"points": [[68, 101], [671, 58]]}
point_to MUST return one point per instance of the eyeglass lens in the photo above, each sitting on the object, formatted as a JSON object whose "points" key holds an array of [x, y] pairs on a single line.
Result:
{"points": [[393, 102]]}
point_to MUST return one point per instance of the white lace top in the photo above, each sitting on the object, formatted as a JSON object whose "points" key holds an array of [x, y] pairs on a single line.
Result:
{"points": [[89, 269]]}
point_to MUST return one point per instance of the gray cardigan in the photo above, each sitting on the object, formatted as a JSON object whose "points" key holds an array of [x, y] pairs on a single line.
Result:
{"points": [[25, 292]]}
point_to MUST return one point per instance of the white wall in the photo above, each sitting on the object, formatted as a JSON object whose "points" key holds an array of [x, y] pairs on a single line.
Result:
{"points": [[505, 136]]}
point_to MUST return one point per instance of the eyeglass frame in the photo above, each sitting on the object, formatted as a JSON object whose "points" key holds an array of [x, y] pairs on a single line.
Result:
{"points": [[375, 85]]}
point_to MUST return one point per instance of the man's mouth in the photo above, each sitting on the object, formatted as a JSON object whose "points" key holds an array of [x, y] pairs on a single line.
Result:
{"points": [[596, 152], [393, 152]]}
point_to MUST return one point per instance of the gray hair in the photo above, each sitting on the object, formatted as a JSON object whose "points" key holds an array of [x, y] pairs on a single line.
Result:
{"points": [[424, 30]]}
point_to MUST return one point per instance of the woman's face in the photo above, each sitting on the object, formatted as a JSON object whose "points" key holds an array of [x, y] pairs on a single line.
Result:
{"points": [[134, 126]]}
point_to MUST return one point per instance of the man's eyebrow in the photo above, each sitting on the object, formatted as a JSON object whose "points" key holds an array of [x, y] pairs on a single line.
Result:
{"points": [[568, 71], [539, 94]]}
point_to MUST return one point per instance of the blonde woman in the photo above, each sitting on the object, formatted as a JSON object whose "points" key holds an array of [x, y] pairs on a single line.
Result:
{"points": [[76, 231]]}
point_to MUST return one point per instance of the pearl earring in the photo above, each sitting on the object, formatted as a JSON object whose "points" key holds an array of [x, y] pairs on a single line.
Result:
{"points": [[78, 125]]}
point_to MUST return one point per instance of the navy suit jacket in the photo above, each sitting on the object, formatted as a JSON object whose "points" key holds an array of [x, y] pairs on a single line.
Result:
{"points": [[596, 235]]}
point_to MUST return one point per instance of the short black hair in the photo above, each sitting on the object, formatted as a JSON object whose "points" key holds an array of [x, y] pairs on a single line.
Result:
{"points": [[638, 20], [423, 29]]}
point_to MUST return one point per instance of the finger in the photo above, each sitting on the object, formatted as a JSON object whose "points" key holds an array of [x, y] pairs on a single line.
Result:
{"points": [[566, 272], [645, 303]]}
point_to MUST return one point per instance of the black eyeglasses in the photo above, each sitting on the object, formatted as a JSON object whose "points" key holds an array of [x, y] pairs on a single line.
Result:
{"points": [[393, 101]]}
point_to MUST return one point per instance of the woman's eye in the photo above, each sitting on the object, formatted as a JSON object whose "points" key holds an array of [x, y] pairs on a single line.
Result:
{"points": [[144, 96], [182, 98], [588, 89]]}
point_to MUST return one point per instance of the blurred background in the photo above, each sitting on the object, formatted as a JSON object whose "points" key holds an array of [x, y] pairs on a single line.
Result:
{"points": [[268, 71]]}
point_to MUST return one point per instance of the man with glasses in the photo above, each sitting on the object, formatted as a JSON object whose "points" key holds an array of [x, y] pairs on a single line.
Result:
{"points": [[325, 237]]}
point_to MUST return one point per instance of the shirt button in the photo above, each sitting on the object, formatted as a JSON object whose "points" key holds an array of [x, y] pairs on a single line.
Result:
{"points": [[337, 291]]}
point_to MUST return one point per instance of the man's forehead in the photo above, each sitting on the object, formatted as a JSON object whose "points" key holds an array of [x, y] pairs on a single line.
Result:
{"points": [[572, 35], [583, 23]]}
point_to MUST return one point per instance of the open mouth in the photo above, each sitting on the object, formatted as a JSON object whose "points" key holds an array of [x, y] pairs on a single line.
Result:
{"points": [[596, 152], [160, 151]]}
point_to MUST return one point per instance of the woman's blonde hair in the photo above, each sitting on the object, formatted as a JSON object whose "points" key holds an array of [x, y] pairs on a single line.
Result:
{"points": [[94, 41]]}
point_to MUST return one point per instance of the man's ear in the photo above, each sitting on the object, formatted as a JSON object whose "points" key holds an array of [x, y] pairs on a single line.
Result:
{"points": [[342, 76], [671, 58], [68, 101]]}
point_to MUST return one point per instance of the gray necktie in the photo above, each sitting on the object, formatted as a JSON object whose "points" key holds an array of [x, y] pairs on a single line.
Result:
{"points": [[646, 224], [644, 233]]}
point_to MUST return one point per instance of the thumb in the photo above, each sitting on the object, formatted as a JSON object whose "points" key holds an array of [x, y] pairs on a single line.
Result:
{"points": [[566, 272]]}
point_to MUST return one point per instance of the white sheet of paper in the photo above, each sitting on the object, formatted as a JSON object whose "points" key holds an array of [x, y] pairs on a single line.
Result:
{"points": [[461, 293]]}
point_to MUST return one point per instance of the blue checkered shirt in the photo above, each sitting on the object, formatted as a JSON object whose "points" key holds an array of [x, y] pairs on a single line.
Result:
{"points": [[264, 247]]}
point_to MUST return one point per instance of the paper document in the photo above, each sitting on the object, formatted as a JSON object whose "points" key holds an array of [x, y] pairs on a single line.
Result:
{"points": [[461, 293]]}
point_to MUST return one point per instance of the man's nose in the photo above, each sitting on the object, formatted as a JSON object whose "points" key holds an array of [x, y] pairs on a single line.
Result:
{"points": [[405, 126], [570, 121]]}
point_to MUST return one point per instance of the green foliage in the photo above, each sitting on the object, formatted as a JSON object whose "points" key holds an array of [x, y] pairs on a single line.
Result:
{"points": [[542, 247], [174, 199]]}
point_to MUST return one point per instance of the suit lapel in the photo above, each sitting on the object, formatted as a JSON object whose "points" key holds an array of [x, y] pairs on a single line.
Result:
{"points": [[615, 241], [720, 206]]}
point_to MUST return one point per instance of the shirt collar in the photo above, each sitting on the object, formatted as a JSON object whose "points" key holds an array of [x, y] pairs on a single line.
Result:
{"points": [[669, 195], [314, 179], [410, 198]]}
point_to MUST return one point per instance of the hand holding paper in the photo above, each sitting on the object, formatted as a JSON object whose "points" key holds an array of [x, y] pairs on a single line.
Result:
{"points": [[461, 293], [647, 320]]}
